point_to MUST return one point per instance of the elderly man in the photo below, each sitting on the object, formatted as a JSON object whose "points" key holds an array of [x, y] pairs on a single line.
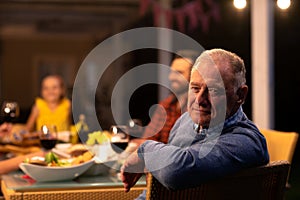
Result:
{"points": [[214, 138]]}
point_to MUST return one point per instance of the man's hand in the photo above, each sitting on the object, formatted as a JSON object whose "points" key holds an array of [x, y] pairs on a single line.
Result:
{"points": [[132, 170]]}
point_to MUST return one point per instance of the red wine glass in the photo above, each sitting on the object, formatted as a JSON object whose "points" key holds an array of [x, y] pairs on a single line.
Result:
{"points": [[119, 138], [48, 136]]}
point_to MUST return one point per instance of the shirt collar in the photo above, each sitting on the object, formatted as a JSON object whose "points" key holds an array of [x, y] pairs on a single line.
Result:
{"points": [[228, 122], [234, 118]]}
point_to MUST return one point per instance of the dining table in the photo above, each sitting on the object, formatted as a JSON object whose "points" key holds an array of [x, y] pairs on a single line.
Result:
{"points": [[18, 186]]}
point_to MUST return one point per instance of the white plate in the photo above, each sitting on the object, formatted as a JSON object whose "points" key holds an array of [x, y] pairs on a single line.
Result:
{"points": [[44, 173]]}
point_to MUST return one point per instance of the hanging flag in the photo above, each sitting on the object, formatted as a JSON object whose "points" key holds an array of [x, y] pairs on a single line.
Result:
{"points": [[192, 11]]}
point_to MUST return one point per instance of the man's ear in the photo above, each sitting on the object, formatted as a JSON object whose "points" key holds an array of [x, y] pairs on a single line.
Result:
{"points": [[242, 94]]}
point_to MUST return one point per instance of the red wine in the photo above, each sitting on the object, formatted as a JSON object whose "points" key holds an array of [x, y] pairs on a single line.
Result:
{"points": [[118, 147], [48, 143]]}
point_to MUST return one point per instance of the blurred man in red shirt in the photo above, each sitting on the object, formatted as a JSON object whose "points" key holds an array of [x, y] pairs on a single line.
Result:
{"points": [[175, 104]]}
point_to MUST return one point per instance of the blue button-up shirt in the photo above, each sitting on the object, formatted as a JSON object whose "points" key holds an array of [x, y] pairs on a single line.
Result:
{"points": [[190, 158]]}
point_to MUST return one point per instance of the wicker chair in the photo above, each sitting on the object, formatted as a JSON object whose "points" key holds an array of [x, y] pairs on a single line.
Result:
{"points": [[260, 183]]}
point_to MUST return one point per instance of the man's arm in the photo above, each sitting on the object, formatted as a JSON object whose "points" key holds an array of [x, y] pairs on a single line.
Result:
{"points": [[132, 170], [178, 168]]}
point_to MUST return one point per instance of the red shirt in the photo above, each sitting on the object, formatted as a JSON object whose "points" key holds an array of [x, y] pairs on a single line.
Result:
{"points": [[163, 120]]}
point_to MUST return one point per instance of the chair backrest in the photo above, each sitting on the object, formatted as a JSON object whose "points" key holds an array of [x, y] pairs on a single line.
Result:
{"points": [[260, 183], [281, 145]]}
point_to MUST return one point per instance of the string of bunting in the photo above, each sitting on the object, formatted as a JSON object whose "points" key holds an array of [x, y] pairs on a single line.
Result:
{"points": [[197, 11]]}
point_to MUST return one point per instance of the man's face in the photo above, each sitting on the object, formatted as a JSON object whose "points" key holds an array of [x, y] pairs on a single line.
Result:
{"points": [[180, 75], [207, 100]]}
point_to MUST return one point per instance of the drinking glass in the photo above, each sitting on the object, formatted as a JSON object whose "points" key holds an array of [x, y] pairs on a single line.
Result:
{"points": [[10, 111], [119, 142], [119, 138], [48, 136]]}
